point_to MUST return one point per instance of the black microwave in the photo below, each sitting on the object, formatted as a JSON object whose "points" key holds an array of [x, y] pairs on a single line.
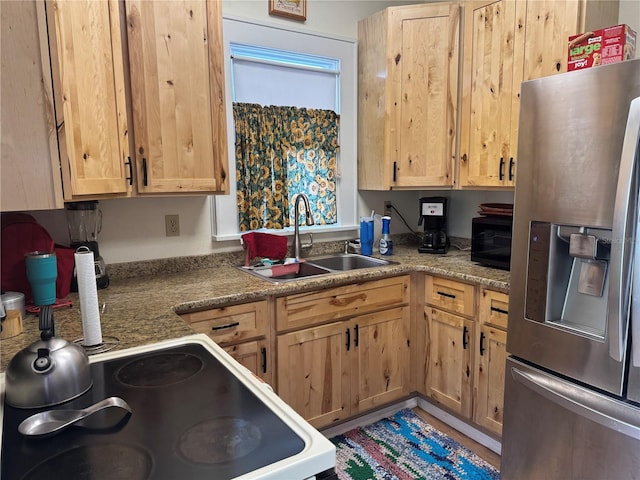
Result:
{"points": [[491, 241]]}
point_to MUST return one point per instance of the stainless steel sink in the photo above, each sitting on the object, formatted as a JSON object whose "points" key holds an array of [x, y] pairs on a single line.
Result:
{"points": [[347, 261], [313, 267], [287, 273]]}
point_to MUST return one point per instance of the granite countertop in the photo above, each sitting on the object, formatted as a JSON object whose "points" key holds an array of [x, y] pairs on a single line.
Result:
{"points": [[144, 309]]}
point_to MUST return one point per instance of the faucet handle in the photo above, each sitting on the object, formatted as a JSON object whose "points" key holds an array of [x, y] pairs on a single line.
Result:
{"points": [[310, 244]]}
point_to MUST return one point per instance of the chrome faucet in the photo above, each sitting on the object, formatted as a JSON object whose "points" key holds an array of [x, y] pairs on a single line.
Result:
{"points": [[297, 246]]}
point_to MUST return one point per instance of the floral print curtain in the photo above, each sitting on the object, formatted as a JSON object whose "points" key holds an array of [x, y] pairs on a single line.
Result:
{"points": [[280, 152]]}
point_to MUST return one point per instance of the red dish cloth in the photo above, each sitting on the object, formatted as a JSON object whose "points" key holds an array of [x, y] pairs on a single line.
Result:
{"points": [[264, 245]]}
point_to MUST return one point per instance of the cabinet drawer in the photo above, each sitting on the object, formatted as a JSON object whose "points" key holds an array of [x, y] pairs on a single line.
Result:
{"points": [[236, 323], [456, 297], [494, 308], [306, 309]]}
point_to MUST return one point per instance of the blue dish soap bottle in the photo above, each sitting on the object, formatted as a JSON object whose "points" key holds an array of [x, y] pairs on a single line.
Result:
{"points": [[386, 244]]}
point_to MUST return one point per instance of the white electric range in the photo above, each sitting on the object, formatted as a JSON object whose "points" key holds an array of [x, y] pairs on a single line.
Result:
{"points": [[196, 414]]}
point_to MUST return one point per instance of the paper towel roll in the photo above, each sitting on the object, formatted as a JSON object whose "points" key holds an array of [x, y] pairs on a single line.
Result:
{"points": [[88, 291]]}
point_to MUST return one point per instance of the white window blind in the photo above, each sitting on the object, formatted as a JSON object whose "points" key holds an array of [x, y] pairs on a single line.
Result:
{"points": [[267, 77]]}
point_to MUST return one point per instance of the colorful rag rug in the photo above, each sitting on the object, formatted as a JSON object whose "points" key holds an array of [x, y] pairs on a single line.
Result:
{"points": [[404, 447]]}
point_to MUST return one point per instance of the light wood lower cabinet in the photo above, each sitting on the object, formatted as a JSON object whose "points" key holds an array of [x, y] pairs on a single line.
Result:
{"points": [[491, 355], [449, 357], [490, 367], [253, 355], [334, 370], [242, 330], [313, 372], [463, 349]]}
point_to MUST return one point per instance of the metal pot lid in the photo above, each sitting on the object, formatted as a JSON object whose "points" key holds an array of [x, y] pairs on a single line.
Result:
{"points": [[52, 344], [12, 296]]}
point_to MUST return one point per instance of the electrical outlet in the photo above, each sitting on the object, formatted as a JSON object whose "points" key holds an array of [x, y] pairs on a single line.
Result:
{"points": [[387, 208], [172, 225]]}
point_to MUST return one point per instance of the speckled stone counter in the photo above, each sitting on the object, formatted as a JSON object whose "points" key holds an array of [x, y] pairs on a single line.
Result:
{"points": [[144, 309]]}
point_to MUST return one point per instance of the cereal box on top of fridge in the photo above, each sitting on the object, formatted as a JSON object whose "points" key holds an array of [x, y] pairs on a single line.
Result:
{"points": [[599, 47]]}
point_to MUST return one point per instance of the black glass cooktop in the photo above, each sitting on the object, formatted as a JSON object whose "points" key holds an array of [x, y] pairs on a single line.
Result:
{"points": [[191, 419]]}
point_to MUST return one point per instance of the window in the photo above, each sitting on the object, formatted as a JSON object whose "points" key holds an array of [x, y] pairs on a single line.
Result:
{"points": [[299, 66], [294, 97]]}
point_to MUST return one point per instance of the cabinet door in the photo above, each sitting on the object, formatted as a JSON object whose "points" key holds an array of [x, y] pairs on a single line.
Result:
{"points": [[407, 96], [491, 358], [492, 66], [30, 166], [88, 50], [177, 82], [312, 372], [449, 374], [549, 25], [424, 82], [379, 358], [254, 356]]}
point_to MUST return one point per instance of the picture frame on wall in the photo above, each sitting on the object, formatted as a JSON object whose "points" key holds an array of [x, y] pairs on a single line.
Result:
{"points": [[294, 9]]}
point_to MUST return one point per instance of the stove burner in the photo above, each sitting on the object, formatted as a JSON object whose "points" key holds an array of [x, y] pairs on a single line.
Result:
{"points": [[159, 370], [219, 440], [96, 462]]}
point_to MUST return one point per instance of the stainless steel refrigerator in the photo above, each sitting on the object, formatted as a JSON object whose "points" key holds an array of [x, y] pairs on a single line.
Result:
{"points": [[572, 382]]}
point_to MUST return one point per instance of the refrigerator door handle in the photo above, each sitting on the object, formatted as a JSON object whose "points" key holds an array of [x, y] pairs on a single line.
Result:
{"points": [[623, 236], [635, 297], [584, 403]]}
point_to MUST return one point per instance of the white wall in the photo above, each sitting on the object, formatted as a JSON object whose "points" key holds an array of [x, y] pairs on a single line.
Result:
{"points": [[133, 229], [629, 13]]}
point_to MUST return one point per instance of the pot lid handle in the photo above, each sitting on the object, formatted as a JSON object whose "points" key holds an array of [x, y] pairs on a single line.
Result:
{"points": [[45, 320]]}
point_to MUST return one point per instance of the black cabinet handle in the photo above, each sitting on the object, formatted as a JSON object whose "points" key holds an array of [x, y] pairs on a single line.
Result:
{"points": [[356, 338], [445, 294], [348, 339], [228, 325], [481, 343], [501, 173], [395, 168], [130, 177], [263, 352], [465, 335], [145, 179], [499, 310], [511, 165]]}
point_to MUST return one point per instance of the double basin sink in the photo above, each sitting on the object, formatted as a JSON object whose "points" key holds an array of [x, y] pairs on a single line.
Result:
{"points": [[312, 267]]}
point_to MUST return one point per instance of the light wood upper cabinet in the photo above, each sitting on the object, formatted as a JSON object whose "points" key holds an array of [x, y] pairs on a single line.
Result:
{"points": [[141, 96], [407, 97], [550, 23], [93, 116], [30, 177], [177, 90], [506, 42], [491, 72]]}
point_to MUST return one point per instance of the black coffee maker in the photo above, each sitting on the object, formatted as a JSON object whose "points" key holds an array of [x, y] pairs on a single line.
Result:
{"points": [[433, 216]]}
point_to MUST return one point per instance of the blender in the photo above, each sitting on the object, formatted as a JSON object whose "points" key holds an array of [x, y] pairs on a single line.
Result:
{"points": [[84, 220]]}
